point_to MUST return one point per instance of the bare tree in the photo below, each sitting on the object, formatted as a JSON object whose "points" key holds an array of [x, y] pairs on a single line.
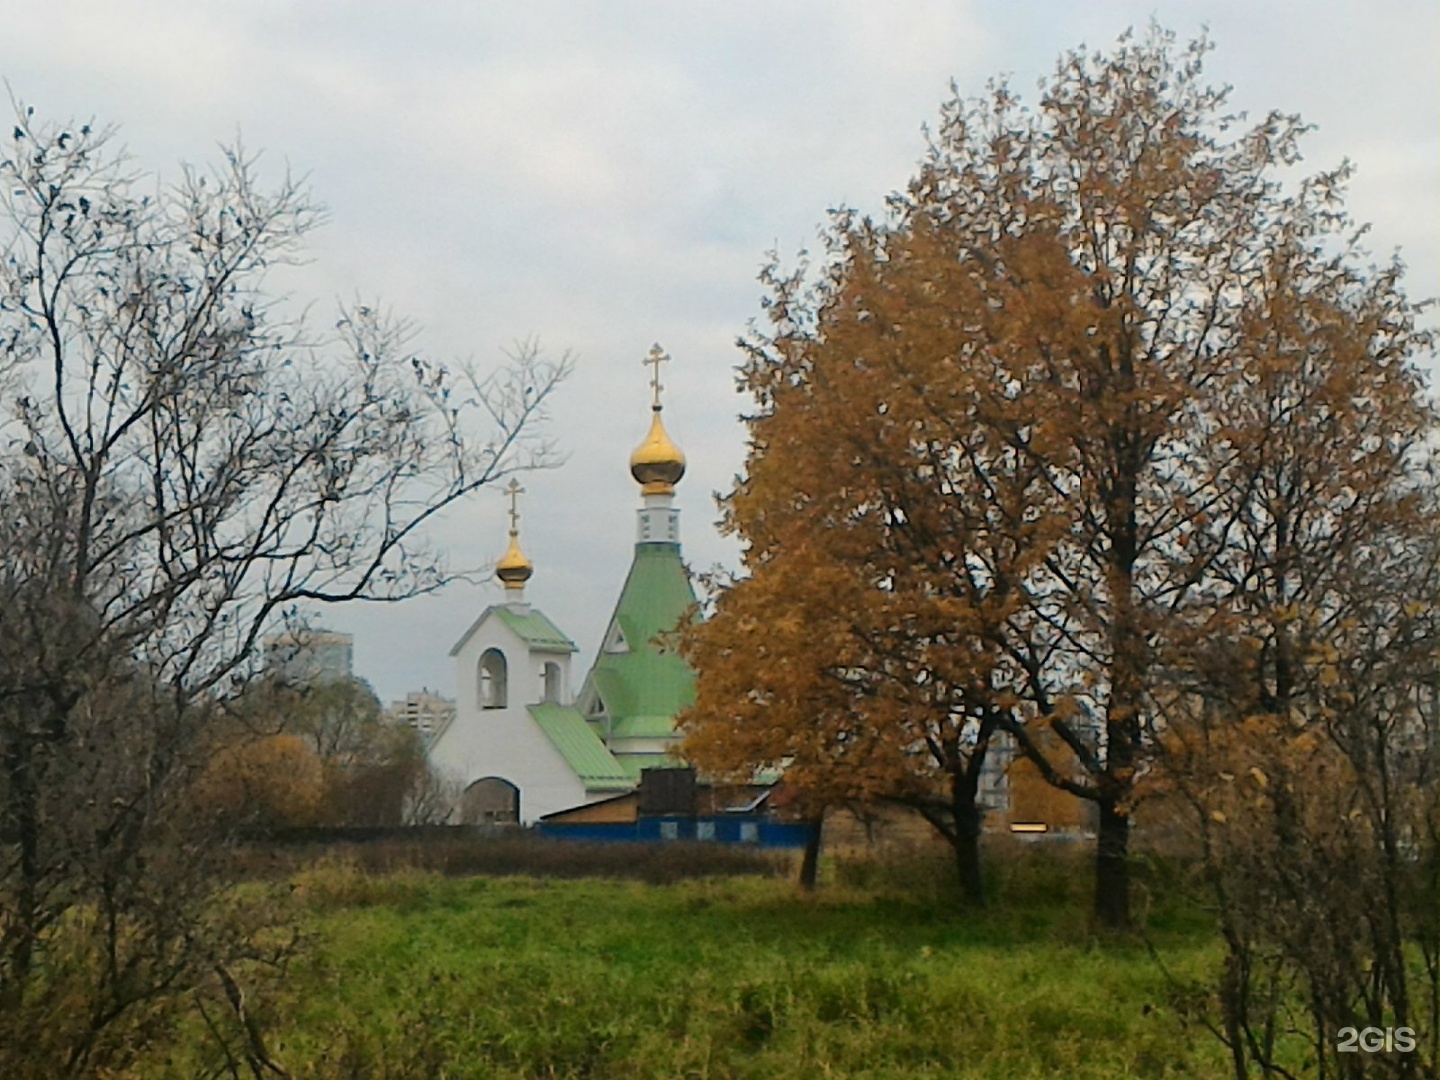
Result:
{"points": [[181, 466], [1305, 734], [1319, 828]]}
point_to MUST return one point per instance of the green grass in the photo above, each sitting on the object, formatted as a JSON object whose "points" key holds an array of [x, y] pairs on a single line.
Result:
{"points": [[419, 976]]}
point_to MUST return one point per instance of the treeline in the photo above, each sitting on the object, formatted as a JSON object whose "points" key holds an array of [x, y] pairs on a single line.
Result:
{"points": [[321, 755]]}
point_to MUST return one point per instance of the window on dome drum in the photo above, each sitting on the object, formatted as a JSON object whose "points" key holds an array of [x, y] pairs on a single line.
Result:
{"points": [[492, 679], [550, 682]]}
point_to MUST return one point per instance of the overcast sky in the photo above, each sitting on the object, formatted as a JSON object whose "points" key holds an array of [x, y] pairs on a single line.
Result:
{"points": [[605, 175]]}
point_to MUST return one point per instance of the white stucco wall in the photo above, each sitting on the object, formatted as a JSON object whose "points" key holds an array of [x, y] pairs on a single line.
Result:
{"points": [[506, 742]]}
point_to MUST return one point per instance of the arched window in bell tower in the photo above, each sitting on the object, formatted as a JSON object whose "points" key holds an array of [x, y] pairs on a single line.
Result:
{"points": [[492, 678], [550, 682]]}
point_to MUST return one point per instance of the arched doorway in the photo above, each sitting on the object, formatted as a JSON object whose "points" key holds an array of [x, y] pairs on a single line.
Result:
{"points": [[491, 801]]}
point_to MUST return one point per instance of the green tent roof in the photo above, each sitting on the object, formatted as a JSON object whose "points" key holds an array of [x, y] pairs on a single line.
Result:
{"points": [[656, 595], [646, 686], [581, 748]]}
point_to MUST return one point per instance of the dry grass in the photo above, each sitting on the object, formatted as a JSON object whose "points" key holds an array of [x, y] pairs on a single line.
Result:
{"points": [[460, 853]]}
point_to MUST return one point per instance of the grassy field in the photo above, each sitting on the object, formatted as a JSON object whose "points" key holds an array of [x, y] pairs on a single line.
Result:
{"points": [[413, 975]]}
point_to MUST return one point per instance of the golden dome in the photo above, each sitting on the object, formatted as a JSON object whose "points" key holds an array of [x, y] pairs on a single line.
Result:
{"points": [[657, 463], [514, 569]]}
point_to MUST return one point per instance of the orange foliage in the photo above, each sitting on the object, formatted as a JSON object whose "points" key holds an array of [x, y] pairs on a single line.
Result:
{"points": [[272, 781], [1032, 799], [1092, 422]]}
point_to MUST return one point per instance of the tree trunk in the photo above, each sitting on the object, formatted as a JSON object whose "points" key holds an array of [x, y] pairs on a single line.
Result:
{"points": [[969, 819], [1112, 868], [967, 856], [810, 863], [24, 815]]}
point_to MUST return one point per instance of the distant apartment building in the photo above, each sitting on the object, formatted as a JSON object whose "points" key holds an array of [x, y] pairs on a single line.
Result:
{"points": [[426, 712], [305, 657]]}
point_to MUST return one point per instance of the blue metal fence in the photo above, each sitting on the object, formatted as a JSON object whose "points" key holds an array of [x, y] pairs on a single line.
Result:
{"points": [[728, 829]]}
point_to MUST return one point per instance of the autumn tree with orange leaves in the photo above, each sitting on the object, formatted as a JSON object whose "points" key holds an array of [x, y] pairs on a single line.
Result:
{"points": [[864, 652], [1003, 469]]}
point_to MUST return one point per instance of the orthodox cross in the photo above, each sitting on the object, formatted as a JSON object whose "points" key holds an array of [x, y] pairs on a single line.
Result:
{"points": [[657, 357], [514, 491]]}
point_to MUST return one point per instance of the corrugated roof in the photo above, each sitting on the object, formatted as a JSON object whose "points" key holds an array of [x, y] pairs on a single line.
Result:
{"points": [[634, 763], [580, 747], [644, 725], [532, 627], [536, 630]]}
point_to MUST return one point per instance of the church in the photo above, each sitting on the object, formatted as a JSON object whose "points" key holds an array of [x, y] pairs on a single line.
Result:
{"points": [[522, 743]]}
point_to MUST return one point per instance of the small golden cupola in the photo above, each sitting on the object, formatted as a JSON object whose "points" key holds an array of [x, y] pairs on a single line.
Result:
{"points": [[657, 463], [514, 569]]}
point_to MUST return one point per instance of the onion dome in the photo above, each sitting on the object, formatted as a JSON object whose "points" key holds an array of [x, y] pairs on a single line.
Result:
{"points": [[657, 463], [514, 569]]}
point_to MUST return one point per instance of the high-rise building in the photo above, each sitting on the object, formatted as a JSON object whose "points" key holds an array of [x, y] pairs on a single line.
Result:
{"points": [[423, 710], [303, 657]]}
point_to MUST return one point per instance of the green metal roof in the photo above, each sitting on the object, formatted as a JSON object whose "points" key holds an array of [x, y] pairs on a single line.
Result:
{"points": [[581, 748], [656, 595], [634, 763], [536, 630], [532, 627], [645, 687]]}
